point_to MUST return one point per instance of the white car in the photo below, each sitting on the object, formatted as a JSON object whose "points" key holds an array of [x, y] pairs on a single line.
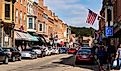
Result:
{"points": [[38, 50], [47, 51], [28, 53], [55, 51]]}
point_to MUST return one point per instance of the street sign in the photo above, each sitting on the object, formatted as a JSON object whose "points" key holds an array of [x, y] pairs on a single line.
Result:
{"points": [[109, 31]]}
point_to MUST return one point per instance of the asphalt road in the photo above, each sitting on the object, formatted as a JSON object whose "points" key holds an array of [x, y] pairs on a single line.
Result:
{"points": [[61, 62]]}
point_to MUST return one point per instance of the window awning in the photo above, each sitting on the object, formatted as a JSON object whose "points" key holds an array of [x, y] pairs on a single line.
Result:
{"points": [[25, 36]]}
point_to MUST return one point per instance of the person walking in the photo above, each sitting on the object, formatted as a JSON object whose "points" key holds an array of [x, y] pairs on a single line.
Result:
{"points": [[101, 57], [118, 56], [111, 51]]}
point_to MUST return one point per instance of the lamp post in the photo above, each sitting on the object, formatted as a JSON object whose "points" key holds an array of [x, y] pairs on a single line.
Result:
{"points": [[13, 24]]}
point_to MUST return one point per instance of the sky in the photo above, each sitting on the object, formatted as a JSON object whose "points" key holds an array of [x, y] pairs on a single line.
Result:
{"points": [[74, 12]]}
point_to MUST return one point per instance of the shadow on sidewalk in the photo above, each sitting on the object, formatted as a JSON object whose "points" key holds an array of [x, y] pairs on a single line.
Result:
{"points": [[71, 62]]}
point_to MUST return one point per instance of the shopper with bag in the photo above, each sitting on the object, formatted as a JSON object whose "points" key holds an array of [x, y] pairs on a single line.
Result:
{"points": [[118, 57]]}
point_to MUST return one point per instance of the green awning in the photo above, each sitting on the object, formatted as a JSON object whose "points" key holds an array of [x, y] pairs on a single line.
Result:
{"points": [[34, 38]]}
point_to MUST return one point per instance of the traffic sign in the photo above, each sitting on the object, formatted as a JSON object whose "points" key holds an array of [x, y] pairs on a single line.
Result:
{"points": [[109, 31]]}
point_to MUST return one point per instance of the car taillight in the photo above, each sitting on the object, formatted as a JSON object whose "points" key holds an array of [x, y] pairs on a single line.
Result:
{"points": [[91, 55], [9, 53]]}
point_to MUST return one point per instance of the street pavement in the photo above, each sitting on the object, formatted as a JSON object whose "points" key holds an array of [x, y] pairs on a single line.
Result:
{"points": [[61, 62]]}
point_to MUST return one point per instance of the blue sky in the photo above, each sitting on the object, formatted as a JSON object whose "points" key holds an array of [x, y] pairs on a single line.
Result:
{"points": [[74, 12]]}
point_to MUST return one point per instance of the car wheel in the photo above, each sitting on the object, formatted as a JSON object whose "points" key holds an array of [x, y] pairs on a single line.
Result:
{"points": [[76, 63], [6, 60], [13, 58], [35, 56], [19, 58]]}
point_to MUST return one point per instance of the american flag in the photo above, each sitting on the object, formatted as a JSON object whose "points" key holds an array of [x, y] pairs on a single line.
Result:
{"points": [[91, 17]]}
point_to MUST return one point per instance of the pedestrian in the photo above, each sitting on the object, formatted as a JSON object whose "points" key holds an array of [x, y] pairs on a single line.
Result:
{"points": [[101, 57], [118, 56]]}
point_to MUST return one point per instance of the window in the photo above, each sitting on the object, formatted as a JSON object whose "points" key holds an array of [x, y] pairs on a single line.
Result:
{"points": [[24, 17], [34, 24], [45, 16], [44, 27], [30, 23], [16, 0], [21, 1], [7, 11], [40, 27], [16, 18], [20, 18]]}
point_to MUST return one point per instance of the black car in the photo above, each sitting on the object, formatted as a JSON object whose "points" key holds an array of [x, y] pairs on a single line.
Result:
{"points": [[3, 56], [14, 54]]}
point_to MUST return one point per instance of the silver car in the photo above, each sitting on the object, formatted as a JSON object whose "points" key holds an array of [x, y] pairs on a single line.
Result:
{"points": [[29, 53]]}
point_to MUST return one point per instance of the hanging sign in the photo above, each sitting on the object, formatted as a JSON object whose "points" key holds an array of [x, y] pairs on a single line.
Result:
{"points": [[109, 31]]}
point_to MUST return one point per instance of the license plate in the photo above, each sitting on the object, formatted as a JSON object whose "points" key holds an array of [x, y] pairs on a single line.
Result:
{"points": [[84, 56]]}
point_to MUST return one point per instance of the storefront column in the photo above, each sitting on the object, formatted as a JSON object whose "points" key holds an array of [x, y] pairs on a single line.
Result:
{"points": [[0, 33]]}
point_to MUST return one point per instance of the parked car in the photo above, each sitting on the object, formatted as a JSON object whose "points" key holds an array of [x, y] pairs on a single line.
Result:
{"points": [[72, 51], [14, 54], [29, 53], [3, 56], [84, 55], [47, 51], [55, 51], [63, 50], [50, 48], [38, 50]]}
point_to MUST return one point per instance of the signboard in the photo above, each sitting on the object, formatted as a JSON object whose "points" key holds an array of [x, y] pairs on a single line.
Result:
{"points": [[109, 31]]}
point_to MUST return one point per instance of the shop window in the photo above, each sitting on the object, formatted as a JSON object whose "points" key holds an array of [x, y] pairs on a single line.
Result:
{"points": [[7, 11]]}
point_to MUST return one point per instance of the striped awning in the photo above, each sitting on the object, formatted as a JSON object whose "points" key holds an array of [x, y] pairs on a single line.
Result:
{"points": [[20, 36], [25, 36]]}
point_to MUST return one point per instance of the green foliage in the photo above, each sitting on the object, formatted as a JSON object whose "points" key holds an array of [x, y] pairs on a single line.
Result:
{"points": [[82, 31]]}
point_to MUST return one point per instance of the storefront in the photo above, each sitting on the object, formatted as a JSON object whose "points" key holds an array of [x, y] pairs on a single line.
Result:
{"points": [[24, 40]]}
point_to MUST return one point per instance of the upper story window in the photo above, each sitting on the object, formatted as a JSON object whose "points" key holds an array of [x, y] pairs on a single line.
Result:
{"points": [[34, 23], [21, 1], [16, 0], [24, 17], [16, 17], [40, 27], [44, 27], [30, 23], [45, 16], [21, 18], [7, 11]]}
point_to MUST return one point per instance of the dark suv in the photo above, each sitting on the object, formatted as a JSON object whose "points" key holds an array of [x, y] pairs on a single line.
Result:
{"points": [[3, 56], [14, 54]]}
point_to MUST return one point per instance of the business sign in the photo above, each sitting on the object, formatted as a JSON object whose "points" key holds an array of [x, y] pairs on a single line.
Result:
{"points": [[109, 31]]}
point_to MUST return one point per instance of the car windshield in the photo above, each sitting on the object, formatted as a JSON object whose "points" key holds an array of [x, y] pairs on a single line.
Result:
{"points": [[7, 50], [84, 51], [35, 47], [85, 45], [27, 50]]}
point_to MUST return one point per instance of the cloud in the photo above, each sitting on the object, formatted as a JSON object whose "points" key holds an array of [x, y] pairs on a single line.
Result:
{"points": [[72, 12]]}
